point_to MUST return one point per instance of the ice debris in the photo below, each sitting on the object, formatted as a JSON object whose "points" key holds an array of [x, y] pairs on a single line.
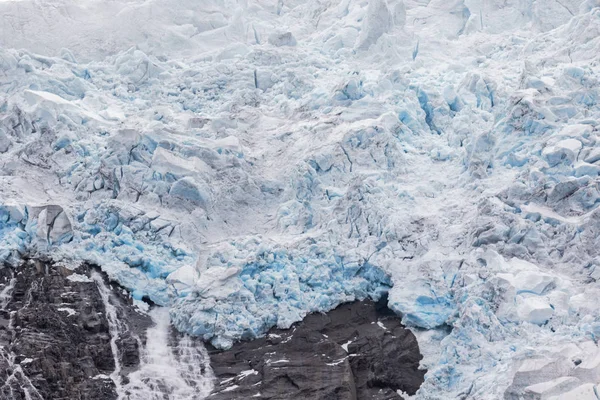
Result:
{"points": [[247, 162]]}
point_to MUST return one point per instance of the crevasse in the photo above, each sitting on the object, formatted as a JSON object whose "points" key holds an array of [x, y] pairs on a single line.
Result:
{"points": [[246, 163]]}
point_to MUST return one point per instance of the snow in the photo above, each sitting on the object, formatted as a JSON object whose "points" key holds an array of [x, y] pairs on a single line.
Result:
{"points": [[534, 310], [78, 278], [583, 392], [345, 345], [333, 364], [246, 373], [277, 362], [230, 388], [69, 311], [244, 163], [545, 389], [589, 370]]}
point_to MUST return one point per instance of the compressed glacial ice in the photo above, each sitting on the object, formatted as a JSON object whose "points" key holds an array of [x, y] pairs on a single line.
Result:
{"points": [[243, 298], [248, 162]]}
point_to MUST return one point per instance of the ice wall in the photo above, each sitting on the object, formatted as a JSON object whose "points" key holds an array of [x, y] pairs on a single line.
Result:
{"points": [[246, 163]]}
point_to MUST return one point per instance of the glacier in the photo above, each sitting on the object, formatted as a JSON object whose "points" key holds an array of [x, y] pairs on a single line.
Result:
{"points": [[247, 162]]}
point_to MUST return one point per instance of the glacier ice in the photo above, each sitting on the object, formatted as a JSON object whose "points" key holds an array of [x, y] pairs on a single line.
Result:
{"points": [[248, 162], [243, 297]]}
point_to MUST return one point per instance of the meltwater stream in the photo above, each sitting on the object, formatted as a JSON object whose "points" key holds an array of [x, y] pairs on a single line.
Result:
{"points": [[171, 368], [15, 378], [5, 293], [115, 328]]}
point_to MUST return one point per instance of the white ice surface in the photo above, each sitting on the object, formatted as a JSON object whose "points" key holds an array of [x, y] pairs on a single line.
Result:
{"points": [[247, 162]]}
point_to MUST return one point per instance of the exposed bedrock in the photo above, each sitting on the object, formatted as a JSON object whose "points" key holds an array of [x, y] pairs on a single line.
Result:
{"points": [[359, 351], [71, 334], [56, 340]]}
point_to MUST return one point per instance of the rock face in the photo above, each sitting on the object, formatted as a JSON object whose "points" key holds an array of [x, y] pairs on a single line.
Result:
{"points": [[55, 334], [358, 351], [72, 335]]}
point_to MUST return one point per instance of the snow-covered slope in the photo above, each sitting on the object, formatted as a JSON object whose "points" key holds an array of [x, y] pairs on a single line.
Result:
{"points": [[247, 162]]}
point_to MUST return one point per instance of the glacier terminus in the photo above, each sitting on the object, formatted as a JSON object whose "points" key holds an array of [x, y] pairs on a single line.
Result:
{"points": [[213, 171]]}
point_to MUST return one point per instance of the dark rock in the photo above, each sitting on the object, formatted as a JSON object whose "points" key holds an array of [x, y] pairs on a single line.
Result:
{"points": [[309, 361], [55, 344], [130, 351], [56, 337]]}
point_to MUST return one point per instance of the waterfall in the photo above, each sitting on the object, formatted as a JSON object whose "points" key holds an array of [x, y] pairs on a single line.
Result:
{"points": [[7, 359], [170, 370], [115, 327], [5, 293]]}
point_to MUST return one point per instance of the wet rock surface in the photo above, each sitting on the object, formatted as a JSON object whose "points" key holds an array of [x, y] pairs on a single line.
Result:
{"points": [[55, 336], [358, 351]]}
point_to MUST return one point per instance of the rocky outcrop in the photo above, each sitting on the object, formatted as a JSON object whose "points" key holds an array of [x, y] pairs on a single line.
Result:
{"points": [[55, 335], [72, 335], [358, 351]]}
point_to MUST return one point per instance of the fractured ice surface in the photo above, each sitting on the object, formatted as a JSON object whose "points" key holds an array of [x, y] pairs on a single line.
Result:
{"points": [[248, 162], [242, 298]]}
